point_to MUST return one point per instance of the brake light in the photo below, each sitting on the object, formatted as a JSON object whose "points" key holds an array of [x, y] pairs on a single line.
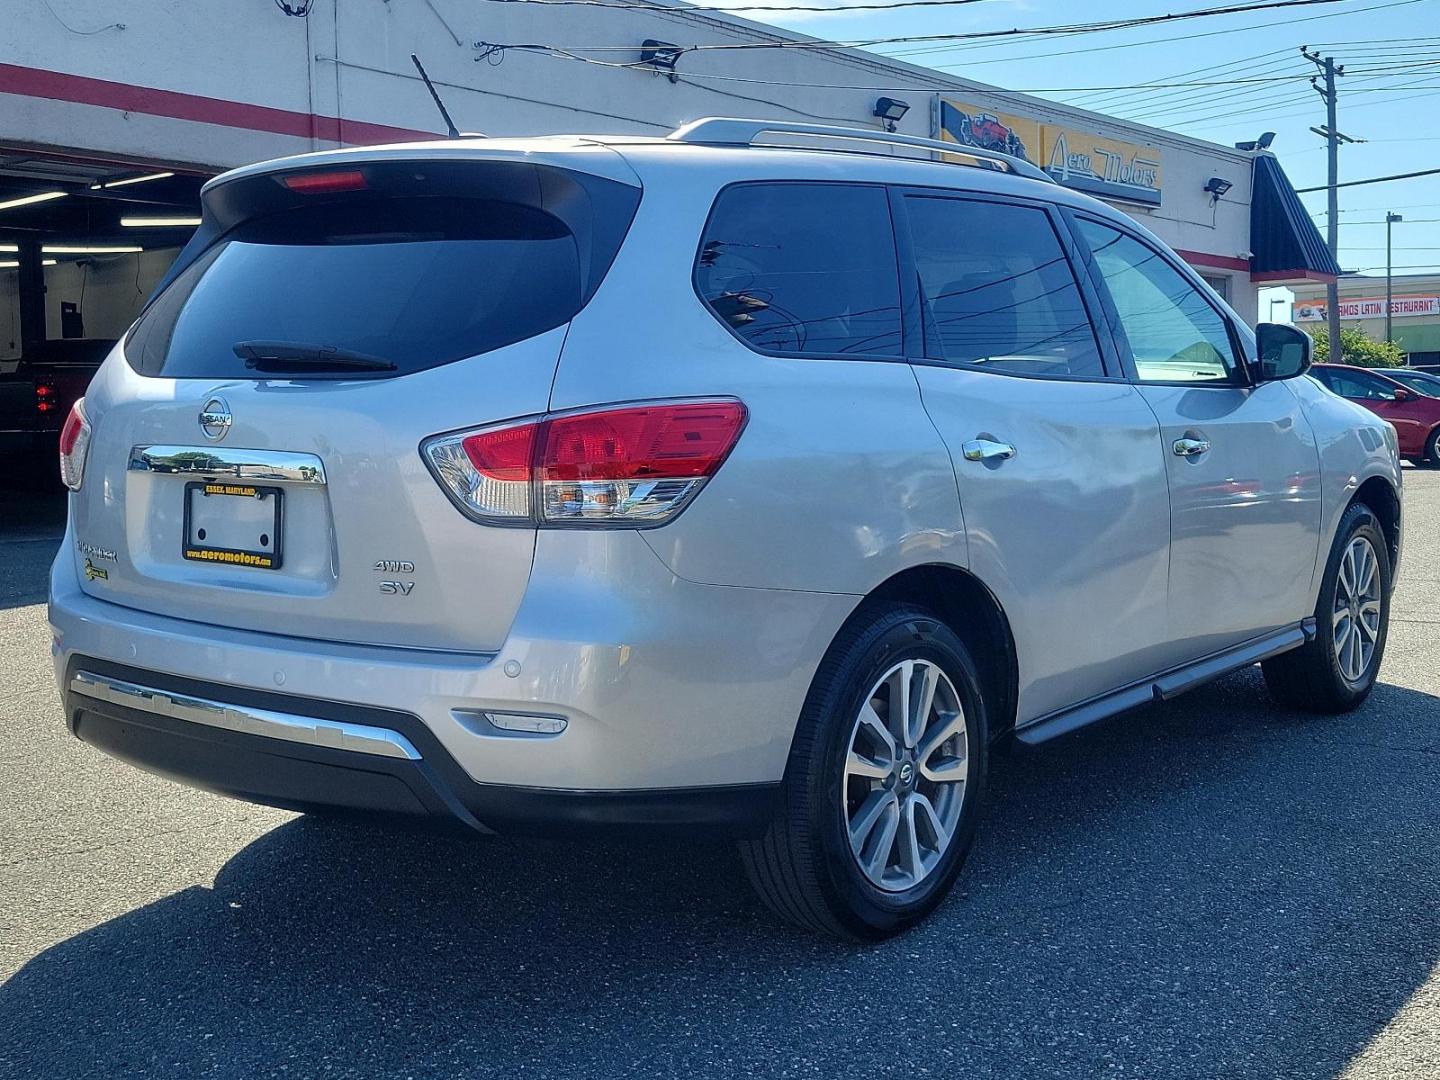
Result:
{"points": [[321, 183], [74, 446], [637, 465], [44, 398]]}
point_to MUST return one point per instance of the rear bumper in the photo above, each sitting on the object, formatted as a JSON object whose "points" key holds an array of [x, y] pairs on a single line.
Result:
{"points": [[351, 758], [678, 701]]}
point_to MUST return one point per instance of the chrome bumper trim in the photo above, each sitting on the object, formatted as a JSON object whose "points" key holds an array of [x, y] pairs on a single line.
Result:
{"points": [[310, 730], [275, 466]]}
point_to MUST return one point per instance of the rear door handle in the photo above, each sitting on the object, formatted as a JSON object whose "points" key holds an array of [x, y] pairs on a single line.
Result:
{"points": [[985, 449], [1191, 447]]}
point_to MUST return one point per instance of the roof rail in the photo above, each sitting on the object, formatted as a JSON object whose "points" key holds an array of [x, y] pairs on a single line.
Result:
{"points": [[726, 131]]}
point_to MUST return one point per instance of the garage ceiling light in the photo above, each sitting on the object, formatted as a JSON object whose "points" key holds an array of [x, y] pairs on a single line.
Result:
{"points": [[65, 249], [157, 222], [44, 196], [9, 247], [14, 263], [132, 180]]}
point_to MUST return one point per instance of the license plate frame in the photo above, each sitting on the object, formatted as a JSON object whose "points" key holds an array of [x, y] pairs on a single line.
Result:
{"points": [[196, 550]]}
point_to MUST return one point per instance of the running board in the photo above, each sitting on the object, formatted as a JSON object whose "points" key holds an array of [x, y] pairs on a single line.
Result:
{"points": [[1167, 685]]}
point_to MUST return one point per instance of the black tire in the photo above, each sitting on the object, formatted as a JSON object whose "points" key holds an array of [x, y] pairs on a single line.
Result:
{"points": [[803, 867], [1432, 449], [1310, 677]]}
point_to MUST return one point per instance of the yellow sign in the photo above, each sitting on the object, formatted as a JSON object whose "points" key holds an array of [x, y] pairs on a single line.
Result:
{"points": [[1098, 164]]}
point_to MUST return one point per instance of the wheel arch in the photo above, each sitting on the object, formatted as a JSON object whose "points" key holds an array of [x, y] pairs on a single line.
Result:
{"points": [[1430, 435], [966, 605], [1384, 502]]}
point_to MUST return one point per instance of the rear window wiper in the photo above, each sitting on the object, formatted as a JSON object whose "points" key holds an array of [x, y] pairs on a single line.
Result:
{"points": [[305, 356]]}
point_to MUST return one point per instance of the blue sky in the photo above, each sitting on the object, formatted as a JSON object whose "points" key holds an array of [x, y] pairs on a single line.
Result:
{"points": [[1397, 111]]}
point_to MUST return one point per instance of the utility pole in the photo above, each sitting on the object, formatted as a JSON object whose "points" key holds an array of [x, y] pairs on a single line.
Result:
{"points": [[1332, 135], [1390, 219]]}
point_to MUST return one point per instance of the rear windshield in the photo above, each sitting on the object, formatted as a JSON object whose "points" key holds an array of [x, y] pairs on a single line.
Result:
{"points": [[417, 282]]}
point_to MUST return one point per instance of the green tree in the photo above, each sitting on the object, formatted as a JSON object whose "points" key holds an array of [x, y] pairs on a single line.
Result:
{"points": [[1356, 348]]}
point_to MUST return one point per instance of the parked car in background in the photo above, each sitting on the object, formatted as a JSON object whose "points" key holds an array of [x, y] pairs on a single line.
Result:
{"points": [[1420, 381], [458, 479], [1415, 414], [35, 399]]}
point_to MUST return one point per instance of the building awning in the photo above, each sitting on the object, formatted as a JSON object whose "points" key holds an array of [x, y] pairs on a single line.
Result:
{"points": [[1285, 246]]}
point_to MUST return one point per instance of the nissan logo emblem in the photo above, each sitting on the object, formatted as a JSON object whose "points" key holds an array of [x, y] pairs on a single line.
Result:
{"points": [[215, 419]]}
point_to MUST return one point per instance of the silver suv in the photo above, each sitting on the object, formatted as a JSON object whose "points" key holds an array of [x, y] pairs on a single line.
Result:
{"points": [[697, 483]]}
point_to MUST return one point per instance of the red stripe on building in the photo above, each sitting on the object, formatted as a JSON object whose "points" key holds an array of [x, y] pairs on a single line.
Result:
{"points": [[59, 86], [1219, 262]]}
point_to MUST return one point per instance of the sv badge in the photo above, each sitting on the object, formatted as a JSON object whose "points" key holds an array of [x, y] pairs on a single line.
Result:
{"points": [[396, 588]]}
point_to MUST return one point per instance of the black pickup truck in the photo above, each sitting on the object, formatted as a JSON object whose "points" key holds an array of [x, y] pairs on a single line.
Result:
{"points": [[36, 398]]}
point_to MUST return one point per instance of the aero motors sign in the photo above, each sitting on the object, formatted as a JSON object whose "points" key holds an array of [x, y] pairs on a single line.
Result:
{"points": [[1370, 307], [1098, 164]]}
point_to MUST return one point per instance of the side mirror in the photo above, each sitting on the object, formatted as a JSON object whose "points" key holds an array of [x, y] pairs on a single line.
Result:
{"points": [[1284, 352]]}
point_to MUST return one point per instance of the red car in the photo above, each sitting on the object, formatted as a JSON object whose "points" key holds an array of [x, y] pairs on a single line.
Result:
{"points": [[1415, 416]]}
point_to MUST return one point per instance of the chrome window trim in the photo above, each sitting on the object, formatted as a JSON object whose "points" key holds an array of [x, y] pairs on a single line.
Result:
{"points": [[308, 730], [271, 466]]}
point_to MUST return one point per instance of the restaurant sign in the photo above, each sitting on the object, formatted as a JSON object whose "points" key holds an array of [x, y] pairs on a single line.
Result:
{"points": [[1098, 164], [1370, 307]]}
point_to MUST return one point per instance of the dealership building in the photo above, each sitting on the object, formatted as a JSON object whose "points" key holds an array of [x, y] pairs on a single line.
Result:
{"points": [[111, 120], [1414, 311]]}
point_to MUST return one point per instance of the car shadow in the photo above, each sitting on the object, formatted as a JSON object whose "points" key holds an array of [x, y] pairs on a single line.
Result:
{"points": [[1203, 888]]}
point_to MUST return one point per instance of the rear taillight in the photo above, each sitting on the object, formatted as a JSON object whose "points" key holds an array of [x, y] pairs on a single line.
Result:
{"points": [[636, 465], [45, 402], [74, 445]]}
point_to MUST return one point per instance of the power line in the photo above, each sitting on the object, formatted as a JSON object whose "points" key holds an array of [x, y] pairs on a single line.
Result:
{"points": [[1286, 22], [1262, 103], [1374, 180], [1363, 105], [887, 5], [1402, 206], [1072, 28], [645, 66], [1372, 41], [1408, 221], [1116, 101]]}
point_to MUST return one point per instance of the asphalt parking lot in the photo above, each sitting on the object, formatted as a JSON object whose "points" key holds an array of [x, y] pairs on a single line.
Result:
{"points": [[1207, 888]]}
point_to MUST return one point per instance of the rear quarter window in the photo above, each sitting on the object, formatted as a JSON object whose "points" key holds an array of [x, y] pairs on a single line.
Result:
{"points": [[802, 268]]}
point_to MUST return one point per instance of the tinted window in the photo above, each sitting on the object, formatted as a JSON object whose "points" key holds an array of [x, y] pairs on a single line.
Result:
{"points": [[417, 282], [1174, 333], [1355, 384], [803, 268], [998, 290], [1423, 384]]}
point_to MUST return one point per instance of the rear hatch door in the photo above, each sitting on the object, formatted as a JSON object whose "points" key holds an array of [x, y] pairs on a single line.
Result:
{"points": [[255, 455]]}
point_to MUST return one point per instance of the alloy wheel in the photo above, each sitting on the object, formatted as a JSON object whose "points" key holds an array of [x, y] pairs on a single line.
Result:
{"points": [[1356, 619], [905, 775]]}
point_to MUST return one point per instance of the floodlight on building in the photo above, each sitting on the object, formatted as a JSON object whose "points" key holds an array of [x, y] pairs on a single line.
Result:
{"points": [[1217, 186], [890, 110]]}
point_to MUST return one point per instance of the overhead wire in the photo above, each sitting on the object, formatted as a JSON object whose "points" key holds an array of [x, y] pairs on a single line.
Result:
{"points": [[1210, 109], [1287, 22], [1375, 180], [794, 44]]}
